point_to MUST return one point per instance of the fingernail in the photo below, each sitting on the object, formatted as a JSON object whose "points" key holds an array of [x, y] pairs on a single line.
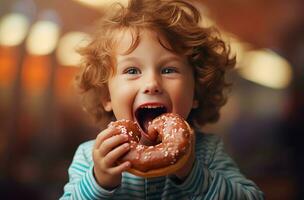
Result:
{"points": [[128, 164]]}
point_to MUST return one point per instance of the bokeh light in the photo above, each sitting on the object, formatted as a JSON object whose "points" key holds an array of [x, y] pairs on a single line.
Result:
{"points": [[99, 3], [67, 48], [266, 68], [43, 38], [13, 29]]}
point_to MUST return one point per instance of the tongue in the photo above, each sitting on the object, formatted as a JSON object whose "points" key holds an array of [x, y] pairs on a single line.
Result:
{"points": [[149, 116], [146, 123], [149, 138]]}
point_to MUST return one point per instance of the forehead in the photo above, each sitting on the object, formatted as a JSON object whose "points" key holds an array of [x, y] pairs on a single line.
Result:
{"points": [[127, 40]]}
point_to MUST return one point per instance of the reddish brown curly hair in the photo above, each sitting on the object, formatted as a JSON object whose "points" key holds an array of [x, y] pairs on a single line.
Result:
{"points": [[178, 22]]}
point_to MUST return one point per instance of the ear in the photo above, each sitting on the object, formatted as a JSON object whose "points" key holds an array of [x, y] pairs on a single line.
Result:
{"points": [[107, 105], [195, 104], [106, 101]]}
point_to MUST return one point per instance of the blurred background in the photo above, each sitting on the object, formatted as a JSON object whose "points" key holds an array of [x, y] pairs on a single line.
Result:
{"points": [[42, 122]]}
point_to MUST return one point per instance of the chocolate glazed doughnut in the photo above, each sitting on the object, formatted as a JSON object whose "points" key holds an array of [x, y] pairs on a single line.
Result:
{"points": [[164, 149]]}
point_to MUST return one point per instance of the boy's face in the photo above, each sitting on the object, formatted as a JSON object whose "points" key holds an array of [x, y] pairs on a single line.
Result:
{"points": [[149, 81]]}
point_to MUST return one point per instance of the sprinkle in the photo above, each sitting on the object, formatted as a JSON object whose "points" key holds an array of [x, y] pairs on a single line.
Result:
{"points": [[172, 162], [181, 129], [140, 147]]}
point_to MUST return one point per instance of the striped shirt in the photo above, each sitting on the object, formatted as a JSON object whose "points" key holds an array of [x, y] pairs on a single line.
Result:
{"points": [[214, 176]]}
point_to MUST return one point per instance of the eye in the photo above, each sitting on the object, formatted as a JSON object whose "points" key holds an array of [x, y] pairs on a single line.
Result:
{"points": [[131, 70], [169, 70]]}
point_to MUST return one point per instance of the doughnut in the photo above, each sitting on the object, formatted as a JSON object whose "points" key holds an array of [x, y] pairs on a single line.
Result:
{"points": [[164, 149]]}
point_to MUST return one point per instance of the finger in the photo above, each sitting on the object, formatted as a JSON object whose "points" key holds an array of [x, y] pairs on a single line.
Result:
{"points": [[120, 168], [111, 143], [105, 134], [116, 153]]}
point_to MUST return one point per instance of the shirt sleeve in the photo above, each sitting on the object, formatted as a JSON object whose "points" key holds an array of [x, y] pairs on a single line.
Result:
{"points": [[218, 178], [82, 184]]}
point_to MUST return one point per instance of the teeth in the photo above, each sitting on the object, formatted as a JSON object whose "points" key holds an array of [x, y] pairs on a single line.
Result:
{"points": [[152, 106]]}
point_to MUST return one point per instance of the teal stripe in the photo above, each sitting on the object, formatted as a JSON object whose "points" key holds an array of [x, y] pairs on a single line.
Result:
{"points": [[213, 188], [132, 183], [67, 195], [83, 192], [78, 169], [229, 193], [193, 185], [133, 178], [128, 189], [82, 165], [89, 187], [92, 186]]}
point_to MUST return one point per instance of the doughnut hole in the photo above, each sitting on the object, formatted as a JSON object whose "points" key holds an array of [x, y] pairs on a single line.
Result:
{"points": [[144, 117]]}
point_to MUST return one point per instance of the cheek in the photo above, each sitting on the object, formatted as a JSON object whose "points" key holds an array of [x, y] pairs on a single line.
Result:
{"points": [[182, 98], [122, 96], [118, 87]]}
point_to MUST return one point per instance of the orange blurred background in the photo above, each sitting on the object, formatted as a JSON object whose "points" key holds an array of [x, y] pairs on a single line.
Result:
{"points": [[42, 122]]}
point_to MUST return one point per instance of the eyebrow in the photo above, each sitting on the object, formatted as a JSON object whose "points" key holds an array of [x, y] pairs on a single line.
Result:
{"points": [[161, 59], [129, 59], [172, 58]]}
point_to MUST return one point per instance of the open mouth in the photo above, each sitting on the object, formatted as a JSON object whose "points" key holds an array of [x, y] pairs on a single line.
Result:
{"points": [[146, 113]]}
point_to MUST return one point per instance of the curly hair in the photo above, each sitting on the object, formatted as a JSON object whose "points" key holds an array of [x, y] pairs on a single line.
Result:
{"points": [[179, 23]]}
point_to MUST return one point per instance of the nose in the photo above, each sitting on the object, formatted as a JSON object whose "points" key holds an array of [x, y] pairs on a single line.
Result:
{"points": [[152, 86]]}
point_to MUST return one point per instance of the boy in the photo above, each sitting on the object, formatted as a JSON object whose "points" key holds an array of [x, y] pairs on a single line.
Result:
{"points": [[153, 53]]}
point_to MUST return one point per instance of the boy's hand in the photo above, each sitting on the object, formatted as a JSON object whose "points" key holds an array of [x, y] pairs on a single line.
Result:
{"points": [[186, 169], [107, 149]]}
